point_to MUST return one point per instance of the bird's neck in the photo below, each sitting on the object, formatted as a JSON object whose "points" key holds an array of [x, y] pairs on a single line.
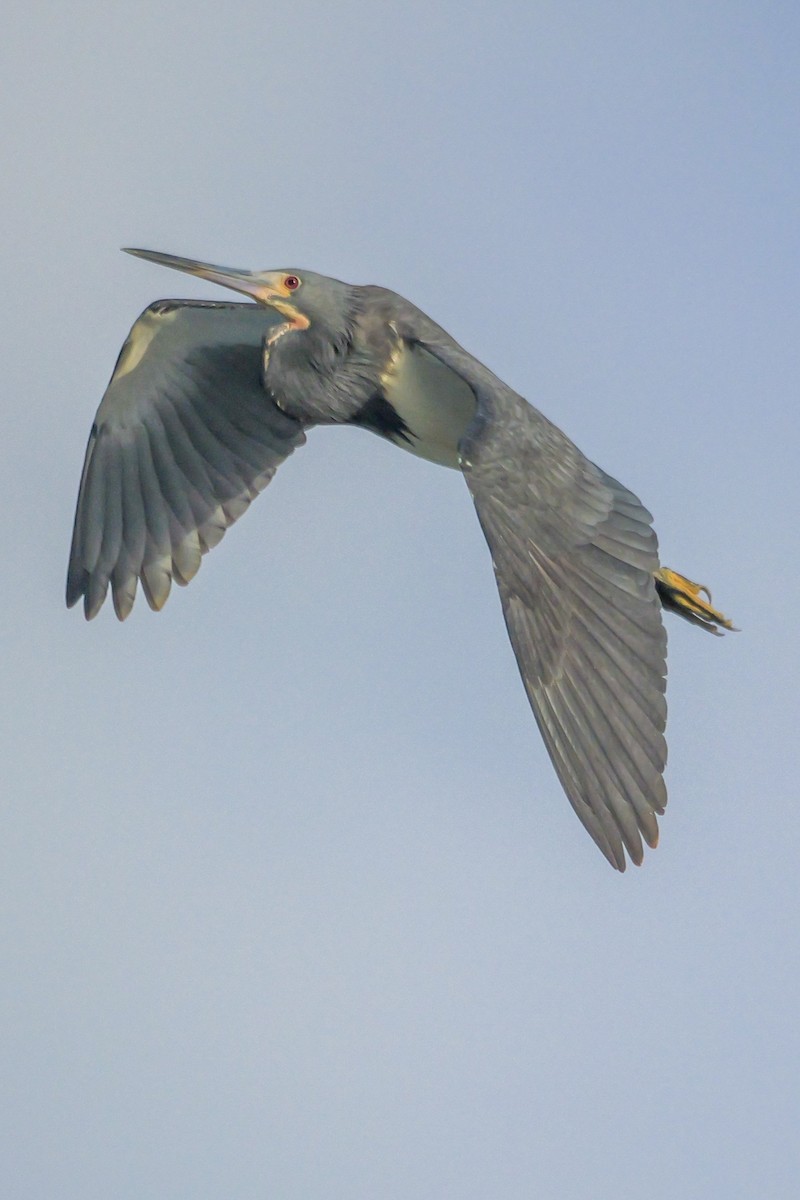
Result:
{"points": [[317, 376]]}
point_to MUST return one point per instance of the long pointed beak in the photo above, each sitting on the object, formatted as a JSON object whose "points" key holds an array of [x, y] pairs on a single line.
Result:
{"points": [[248, 282]]}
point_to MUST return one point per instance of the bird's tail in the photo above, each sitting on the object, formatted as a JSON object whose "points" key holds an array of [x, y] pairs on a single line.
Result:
{"points": [[681, 595]]}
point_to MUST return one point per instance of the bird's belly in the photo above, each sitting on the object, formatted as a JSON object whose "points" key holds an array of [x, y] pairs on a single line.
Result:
{"points": [[434, 404]]}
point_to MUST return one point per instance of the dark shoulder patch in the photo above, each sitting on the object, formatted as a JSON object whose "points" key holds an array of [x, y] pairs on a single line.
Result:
{"points": [[381, 417]]}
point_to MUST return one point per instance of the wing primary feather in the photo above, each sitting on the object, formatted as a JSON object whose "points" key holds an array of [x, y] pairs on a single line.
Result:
{"points": [[204, 491], [216, 457], [600, 638], [614, 706], [185, 545], [134, 530], [628, 791], [602, 780], [210, 484], [598, 822], [77, 570], [579, 776], [110, 483], [156, 573]]}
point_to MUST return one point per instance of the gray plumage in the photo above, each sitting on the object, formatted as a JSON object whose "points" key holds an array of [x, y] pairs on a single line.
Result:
{"points": [[208, 399], [182, 442]]}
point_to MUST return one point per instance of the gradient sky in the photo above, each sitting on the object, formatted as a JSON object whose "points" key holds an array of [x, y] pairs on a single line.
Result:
{"points": [[291, 903]]}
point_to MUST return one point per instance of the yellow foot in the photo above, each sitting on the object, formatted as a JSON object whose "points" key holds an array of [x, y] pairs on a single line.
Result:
{"points": [[682, 596]]}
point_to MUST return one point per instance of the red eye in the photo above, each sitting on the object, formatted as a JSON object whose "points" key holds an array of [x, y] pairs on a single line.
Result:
{"points": [[291, 282]]}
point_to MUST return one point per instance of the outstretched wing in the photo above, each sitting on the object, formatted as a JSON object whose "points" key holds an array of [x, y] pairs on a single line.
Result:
{"points": [[184, 439], [574, 555]]}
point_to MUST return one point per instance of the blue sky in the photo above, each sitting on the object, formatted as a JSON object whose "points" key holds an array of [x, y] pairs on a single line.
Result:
{"points": [[291, 902]]}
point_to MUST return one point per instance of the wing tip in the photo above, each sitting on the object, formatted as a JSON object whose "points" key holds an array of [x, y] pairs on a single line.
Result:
{"points": [[635, 853], [72, 596]]}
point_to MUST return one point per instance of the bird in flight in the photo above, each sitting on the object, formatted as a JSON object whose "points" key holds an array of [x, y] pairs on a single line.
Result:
{"points": [[206, 401]]}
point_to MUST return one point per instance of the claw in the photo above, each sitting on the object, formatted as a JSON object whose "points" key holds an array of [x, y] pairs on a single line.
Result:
{"points": [[681, 595]]}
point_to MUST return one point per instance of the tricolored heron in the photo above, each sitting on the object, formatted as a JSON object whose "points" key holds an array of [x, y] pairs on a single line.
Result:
{"points": [[207, 399]]}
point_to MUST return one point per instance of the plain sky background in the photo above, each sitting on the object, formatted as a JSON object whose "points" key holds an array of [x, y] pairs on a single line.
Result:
{"points": [[292, 906]]}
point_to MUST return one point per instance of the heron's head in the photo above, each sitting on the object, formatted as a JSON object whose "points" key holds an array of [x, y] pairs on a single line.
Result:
{"points": [[304, 298]]}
